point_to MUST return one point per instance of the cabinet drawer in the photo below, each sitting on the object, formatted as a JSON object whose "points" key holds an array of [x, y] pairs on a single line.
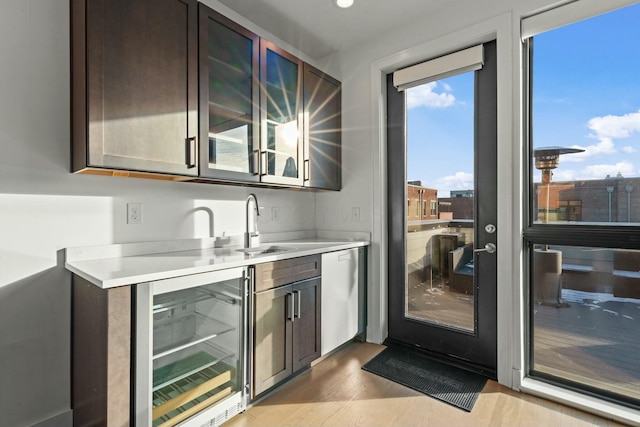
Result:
{"points": [[273, 274]]}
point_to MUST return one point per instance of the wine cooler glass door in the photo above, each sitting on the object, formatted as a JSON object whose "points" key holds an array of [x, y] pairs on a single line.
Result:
{"points": [[191, 353]]}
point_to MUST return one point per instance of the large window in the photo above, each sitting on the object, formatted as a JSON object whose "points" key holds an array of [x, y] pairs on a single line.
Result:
{"points": [[584, 204]]}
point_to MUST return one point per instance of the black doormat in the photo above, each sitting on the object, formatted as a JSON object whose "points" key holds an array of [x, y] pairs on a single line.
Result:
{"points": [[447, 383]]}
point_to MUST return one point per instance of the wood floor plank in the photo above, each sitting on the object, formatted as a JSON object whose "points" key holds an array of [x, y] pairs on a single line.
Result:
{"points": [[337, 392]]}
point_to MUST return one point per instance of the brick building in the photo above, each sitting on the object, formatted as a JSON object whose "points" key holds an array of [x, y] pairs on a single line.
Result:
{"points": [[422, 202], [613, 199], [460, 205]]}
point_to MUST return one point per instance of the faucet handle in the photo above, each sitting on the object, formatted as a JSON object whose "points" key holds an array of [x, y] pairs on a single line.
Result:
{"points": [[254, 240]]}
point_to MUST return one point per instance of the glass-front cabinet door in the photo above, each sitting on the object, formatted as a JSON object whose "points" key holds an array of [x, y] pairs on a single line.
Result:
{"points": [[281, 102], [229, 99], [322, 130], [191, 351]]}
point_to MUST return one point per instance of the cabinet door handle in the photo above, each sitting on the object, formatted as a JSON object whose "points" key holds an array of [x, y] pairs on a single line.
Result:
{"points": [[263, 163], [290, 313], [306, 170], [191, 152], [256, 162], [298, 305]]}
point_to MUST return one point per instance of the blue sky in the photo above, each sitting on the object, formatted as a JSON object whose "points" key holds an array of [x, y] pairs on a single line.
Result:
{"points": [[586, 95]]}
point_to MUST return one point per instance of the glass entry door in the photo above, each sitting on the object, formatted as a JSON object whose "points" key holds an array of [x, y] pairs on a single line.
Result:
{"points": [[442, 210]]}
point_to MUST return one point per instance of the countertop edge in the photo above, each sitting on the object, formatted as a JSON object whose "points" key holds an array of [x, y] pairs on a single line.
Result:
{"points": [[76, 266]]}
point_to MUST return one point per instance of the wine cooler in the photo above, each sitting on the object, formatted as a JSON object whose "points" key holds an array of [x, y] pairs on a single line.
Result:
{"points": [[191, 352]]}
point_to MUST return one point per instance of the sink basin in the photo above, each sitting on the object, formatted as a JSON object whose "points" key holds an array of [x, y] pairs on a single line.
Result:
{"points": [[260, 250]]}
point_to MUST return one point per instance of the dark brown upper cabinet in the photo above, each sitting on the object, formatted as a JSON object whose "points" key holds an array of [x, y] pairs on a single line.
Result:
{"points": [[134, 86], [172, 89], [281, 148], [322, 97], [229, 99]]}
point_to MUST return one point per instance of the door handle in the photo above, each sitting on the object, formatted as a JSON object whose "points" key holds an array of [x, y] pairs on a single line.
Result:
{"points": [[306, 176], [290, 309], [298, 305], [191, 152], [256, 162], [263, 163], [490, 248]]}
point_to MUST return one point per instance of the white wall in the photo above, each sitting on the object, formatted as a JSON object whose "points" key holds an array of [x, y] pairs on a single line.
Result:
{"points": [[44, 208]]}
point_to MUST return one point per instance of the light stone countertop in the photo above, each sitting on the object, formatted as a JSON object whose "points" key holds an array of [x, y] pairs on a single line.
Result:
{"points": [[109, 266]]}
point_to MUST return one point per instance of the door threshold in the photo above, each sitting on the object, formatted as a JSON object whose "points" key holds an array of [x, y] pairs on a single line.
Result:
{"points": [[490, 373]]}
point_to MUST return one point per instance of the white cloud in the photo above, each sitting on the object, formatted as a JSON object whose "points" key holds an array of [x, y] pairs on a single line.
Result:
{"points": [[606, 129], [601, 171], [605, 146], [425, 95], [559, 175], [615, 127], [629, 149], [563, 175], [457, 181]]}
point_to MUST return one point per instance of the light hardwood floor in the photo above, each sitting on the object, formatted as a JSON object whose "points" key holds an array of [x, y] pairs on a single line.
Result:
{"points": [[336, 392]]}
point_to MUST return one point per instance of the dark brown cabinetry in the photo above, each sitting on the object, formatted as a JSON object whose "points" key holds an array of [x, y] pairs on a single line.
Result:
{"points": [[135, 85], [286, 320], [306, 323], [322, 130], [102, 365], [172, 89], [229, 99]]}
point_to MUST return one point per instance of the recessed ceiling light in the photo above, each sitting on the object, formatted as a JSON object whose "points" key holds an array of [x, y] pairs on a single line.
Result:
{"points": [[344, 3]]}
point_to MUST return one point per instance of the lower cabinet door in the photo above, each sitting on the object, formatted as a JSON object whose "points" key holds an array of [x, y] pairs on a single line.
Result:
{"points": [[272, 354], [306, 323]]}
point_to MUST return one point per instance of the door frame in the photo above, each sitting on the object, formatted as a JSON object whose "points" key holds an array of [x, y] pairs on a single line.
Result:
{"points": [[510, 333], [474, 349]]}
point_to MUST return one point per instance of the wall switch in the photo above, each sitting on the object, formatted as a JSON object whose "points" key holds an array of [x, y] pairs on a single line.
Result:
{"points": [[274, 214], [134, 213], [355, 214]]}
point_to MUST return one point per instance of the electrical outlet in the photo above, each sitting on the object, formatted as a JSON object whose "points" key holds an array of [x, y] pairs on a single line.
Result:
{"points": [[274, 214], [134, 213], [355, 214]]}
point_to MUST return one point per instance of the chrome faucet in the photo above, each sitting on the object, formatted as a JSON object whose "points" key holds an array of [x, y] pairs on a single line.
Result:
{"points": [[252, 239]]}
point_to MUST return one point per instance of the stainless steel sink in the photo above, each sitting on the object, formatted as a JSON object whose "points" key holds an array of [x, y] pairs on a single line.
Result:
{"points": [[261, 250]]}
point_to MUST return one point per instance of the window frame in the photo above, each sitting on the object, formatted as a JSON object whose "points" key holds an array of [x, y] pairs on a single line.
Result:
{"points": [[617, 235], [577, 234]]}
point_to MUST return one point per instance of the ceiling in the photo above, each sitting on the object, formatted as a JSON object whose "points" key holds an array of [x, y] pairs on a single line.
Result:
{"points": [[319, 27]]}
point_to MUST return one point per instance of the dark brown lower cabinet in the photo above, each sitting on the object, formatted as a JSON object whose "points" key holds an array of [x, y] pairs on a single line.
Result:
{"points": [[101, 374], [306, 324], [286, 332]]}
